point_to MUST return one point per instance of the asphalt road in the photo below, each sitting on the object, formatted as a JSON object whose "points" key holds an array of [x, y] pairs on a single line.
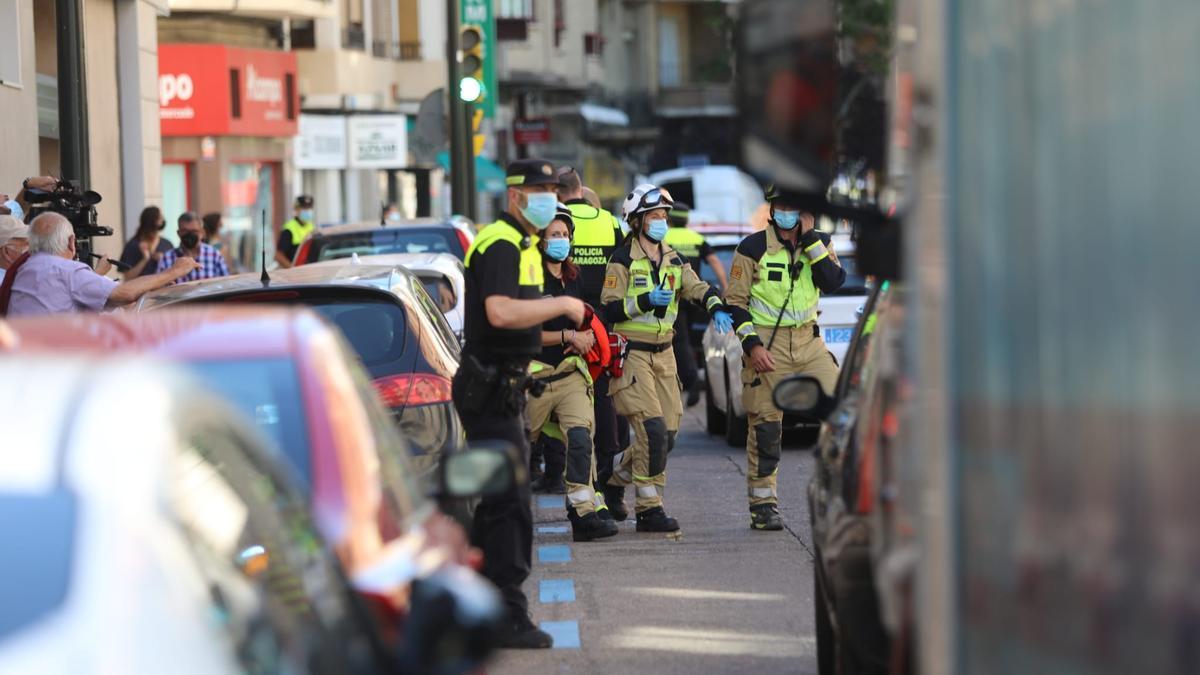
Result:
{"points": [[722, 599]]}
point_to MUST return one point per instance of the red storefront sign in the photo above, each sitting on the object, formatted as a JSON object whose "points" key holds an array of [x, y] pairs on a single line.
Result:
{"points": [[532, 130], [214, 90]]}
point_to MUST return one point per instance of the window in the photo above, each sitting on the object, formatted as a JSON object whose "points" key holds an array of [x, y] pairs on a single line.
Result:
{"points": [[593, 44], [10, 46], [235, 93], [516, 9], [560, 22], [289, 84]]}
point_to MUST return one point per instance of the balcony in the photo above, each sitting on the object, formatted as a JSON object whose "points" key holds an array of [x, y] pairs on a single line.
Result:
{"points": [[263, 9], [396, 51], [326, 73], [695, 100]]}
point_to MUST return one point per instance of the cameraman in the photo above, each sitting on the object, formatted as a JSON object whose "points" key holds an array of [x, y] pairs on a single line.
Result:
{"points": [[51, 281]]}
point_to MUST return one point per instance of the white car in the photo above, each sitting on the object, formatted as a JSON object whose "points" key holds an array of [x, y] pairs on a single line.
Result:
{"points": [[837, 315], [175, 547], [442, 274]]}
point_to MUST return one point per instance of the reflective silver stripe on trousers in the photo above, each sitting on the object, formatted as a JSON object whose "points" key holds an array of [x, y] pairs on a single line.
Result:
{"points": [[762, 493], [647, 492], [789, 314], [623, 474], [580, 496]]}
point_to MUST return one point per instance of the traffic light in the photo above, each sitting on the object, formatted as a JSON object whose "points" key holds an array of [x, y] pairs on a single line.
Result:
{"points": [[470, 86]]}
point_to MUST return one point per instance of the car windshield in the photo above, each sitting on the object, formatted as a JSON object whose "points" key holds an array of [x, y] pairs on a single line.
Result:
{"points": [[35, 570], [387, 240], [267, 391]]}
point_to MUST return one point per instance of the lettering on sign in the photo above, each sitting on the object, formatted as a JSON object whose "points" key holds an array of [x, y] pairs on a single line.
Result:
{"points": [[173, 87], [263, 89], [474, 11]]}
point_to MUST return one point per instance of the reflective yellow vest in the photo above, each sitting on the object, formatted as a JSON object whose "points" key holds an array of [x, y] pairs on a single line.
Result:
{"points": [[641, 282], [685, 241], [298, 230], [531, 272], [776, 288]]}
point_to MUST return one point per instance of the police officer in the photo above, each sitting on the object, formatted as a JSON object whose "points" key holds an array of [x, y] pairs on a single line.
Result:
{"points": [[295, 231], [597, 235], [505, 311], [642, 286], [564, 396], [776, 278], [695, 248]]}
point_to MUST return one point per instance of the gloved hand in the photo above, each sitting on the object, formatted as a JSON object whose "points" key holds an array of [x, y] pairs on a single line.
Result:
{"points": [[722, 321], [661, 297]]}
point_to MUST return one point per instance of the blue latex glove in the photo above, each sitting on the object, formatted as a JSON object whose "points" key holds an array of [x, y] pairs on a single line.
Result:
{"points": [[661, 297], [722, 321]]}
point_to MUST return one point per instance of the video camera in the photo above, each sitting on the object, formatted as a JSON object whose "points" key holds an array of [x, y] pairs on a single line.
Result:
{"points": [[77, 206]]}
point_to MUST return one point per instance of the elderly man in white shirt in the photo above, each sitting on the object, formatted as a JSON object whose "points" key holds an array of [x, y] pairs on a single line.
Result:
{"points": [[51, 281], [14, 241]]}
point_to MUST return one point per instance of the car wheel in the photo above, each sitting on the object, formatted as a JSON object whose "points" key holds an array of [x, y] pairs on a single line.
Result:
{"points": [[735, 425], [714, 419], [826, 639]]}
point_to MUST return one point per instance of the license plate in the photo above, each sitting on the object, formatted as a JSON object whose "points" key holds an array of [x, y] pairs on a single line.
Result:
{"points": [[835, 335]]}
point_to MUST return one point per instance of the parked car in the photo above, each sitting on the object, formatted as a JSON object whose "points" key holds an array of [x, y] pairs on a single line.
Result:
{"points": [[442, 274], [393, 325], [176, 547], [294, 375], [854, 530], [837, 314], [413, 236]]}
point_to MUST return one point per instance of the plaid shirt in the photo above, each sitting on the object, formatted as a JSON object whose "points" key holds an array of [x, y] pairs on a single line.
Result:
{"points": [[212, 263]]}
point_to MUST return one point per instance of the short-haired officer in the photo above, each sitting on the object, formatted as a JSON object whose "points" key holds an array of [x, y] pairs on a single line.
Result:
{"points": [[775, 281], [642, 289], [505, 311], [295, 231]]}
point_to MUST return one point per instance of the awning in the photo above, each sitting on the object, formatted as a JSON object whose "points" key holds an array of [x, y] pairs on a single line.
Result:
{"points": [[600, 114], [489, 177]]}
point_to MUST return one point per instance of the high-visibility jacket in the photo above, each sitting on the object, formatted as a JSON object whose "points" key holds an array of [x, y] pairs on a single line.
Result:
{"points": [[772, 284], [531, 273], [688, 242], [597, 235], [298, 229], [482, 338], [630, 277]]}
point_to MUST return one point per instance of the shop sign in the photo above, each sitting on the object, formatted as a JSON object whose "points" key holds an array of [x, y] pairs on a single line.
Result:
{"points": [[321, 143], [532, 130], [214, 90], [378, 141]]}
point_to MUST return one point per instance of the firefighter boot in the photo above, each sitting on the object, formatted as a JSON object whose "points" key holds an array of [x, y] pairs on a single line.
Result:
{"points": [[590, 527], [765, 517], [656, 520], [614, 498]]}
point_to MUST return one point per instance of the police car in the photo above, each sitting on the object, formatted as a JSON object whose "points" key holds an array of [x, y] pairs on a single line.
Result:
{"points": [[837, 315]]}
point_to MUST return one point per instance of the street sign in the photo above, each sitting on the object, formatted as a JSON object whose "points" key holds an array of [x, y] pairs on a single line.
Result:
{"points": [[532, 130], [478, 13]]}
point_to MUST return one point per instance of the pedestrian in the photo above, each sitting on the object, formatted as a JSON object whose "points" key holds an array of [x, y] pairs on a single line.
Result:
{"points": [[391, 215], [295, 231], [597, 235], [563, 386], [212, 263], [695, 247], [147, 246], [14, 242], [776, 279], [643, 285], [589, 195], [214, 236], [505, 311], [48, 279]]}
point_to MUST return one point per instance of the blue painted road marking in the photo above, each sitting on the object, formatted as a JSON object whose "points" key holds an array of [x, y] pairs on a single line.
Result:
{"points": [[565, 633], [552, 529], [556, 590], [551, 502], [557, 553]]}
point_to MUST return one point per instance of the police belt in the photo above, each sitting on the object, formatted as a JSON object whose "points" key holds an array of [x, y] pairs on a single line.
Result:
{"points": [[557, 376], [649, 347]]}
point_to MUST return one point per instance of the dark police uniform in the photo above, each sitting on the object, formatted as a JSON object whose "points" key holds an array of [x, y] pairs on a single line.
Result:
{"points": [[489, 388]]}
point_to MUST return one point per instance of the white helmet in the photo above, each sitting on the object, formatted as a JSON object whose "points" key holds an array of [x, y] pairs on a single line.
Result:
{"points": [[643, 198]]}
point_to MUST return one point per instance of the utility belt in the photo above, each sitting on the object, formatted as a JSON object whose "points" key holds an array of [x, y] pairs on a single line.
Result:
{"points": [[651, 347], [500, 387], [556, 377]]}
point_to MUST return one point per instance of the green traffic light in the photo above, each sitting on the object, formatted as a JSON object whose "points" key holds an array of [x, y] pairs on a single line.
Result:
{"points": [[470, 89]]}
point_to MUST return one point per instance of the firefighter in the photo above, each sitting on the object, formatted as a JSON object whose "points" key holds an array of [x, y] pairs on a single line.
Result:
{"points": [[565, 395], [776, 278], [505, 311], [642, 288]]}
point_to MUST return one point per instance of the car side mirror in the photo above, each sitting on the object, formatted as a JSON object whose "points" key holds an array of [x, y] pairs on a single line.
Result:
{"points": [[803, 394], [482, 470]]}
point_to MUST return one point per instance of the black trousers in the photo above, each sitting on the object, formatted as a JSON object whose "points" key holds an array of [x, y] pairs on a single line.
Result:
{"points": [[685, 356], [503, 527], [612, 432]]}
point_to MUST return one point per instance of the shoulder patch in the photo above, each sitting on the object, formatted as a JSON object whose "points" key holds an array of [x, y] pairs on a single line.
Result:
{"points": [[610, 281], [736, 272]]}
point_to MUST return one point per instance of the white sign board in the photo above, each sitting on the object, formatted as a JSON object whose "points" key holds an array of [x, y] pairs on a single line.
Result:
{"points": [[321, 142], [378, 141]]}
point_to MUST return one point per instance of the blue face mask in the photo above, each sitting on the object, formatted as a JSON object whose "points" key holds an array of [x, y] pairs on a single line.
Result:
{"points": [[787, 220], [540, 209], [558, 249], [306, 215], [15, 208], [656, 229]]}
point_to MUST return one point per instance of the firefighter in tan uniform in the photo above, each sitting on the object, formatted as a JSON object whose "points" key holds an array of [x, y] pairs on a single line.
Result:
{"points": [[776, 278], [642, 288]]}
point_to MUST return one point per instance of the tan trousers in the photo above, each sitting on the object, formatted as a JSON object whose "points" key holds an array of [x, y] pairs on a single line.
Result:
{"points": [[568, 403], [647, 394], [795, 350]]}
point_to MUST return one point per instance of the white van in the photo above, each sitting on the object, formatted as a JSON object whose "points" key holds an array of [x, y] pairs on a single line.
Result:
{"points": [[722, 197]]}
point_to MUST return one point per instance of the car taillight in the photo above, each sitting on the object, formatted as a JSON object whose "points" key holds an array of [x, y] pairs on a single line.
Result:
{"points": [[462, 239], [398, 391], [302, 253]]}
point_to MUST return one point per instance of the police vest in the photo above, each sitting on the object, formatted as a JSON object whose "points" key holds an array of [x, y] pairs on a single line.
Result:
{"points": [[597, 235], [642, 280], [298, 230], [777, 286], [531, 273]]}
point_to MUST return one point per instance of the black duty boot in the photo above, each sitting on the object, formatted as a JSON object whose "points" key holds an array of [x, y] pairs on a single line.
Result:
{"points": [[614, 499], [522, 634], [604, 514], [552, 485], [656, 520], [765, 517], [590, 527]]}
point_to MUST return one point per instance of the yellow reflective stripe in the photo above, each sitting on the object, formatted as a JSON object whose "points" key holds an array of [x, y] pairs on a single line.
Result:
{"points": [[746, 330], [712, 301], [514, 180], [816, 252]]}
